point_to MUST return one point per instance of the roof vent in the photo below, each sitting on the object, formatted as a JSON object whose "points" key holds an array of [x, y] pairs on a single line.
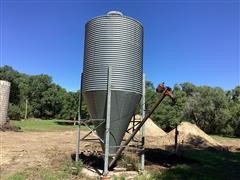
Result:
{"points": [[114, 13]]}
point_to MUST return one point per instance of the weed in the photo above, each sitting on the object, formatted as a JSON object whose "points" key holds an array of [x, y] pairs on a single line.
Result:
{"points": [[118, 178], [146, 176], [61, 167], [78, 166], [17, 176], [131, 163]]}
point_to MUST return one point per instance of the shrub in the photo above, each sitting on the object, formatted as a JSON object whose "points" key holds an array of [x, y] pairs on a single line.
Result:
{"points": [[14, 112]]}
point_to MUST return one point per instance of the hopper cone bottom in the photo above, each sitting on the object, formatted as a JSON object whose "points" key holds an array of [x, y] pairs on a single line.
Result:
{"points": [[123, 106]]}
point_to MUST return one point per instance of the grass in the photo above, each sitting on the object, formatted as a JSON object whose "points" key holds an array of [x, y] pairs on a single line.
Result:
{"points": [[207, 165], [63, 172], [118, 178], [43, 125], [17, 176]]}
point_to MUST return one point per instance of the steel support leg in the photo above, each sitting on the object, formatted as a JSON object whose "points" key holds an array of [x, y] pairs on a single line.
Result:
{"points": [[108, 116], [142, 129], [79, 121]]}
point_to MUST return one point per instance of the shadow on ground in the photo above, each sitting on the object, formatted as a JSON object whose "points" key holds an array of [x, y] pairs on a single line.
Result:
{"points": [[195, 164], [64, 123], [90, 160], [165, 158]]}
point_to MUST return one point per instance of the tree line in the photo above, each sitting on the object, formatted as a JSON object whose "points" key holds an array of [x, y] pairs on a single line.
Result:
{"points": [[211, 108], [214, 110], [44, 98]]}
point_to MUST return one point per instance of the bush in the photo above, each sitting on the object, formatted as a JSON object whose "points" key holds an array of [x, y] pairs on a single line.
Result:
{"points": [[14, 112]]}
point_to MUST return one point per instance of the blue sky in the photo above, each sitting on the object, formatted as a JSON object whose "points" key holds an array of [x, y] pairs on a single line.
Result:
{"points": [[187, 40]]}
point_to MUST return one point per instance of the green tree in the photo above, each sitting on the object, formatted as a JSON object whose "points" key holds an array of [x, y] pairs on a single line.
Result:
{"points": [[208, 108], [52, 101], [168, 115], [14, 112], [234, 107], [188, 88], [150, 96], [70, 106], [45, 99], [37, 86]]}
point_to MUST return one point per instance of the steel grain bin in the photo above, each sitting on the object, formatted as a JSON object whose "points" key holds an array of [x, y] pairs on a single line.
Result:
{"points": [[4, 100], [115, 40]]}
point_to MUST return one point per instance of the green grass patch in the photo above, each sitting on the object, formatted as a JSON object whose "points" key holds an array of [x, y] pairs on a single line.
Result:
{"points": [[118, 178], [147, 176], [43, 125], [17, 176]]}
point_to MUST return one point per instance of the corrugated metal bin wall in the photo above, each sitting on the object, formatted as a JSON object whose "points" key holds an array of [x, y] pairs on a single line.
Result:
{"points": [[4, 100]]}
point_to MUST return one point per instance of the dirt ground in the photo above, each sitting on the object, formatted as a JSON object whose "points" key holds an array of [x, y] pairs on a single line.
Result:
{"points": [[21, 150], [232, 144]]}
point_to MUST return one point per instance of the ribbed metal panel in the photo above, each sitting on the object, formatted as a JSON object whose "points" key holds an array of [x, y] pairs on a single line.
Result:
{"points": [[4, 100], [114, 40], [118, 41]]}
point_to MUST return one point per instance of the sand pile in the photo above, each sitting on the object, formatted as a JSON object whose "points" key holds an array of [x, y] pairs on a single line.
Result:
{"points": [[189, 135], [150, 128]]}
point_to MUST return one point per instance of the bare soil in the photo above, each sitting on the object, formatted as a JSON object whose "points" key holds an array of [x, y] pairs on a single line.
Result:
{"points": [[23, 150], [232, 144]]}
